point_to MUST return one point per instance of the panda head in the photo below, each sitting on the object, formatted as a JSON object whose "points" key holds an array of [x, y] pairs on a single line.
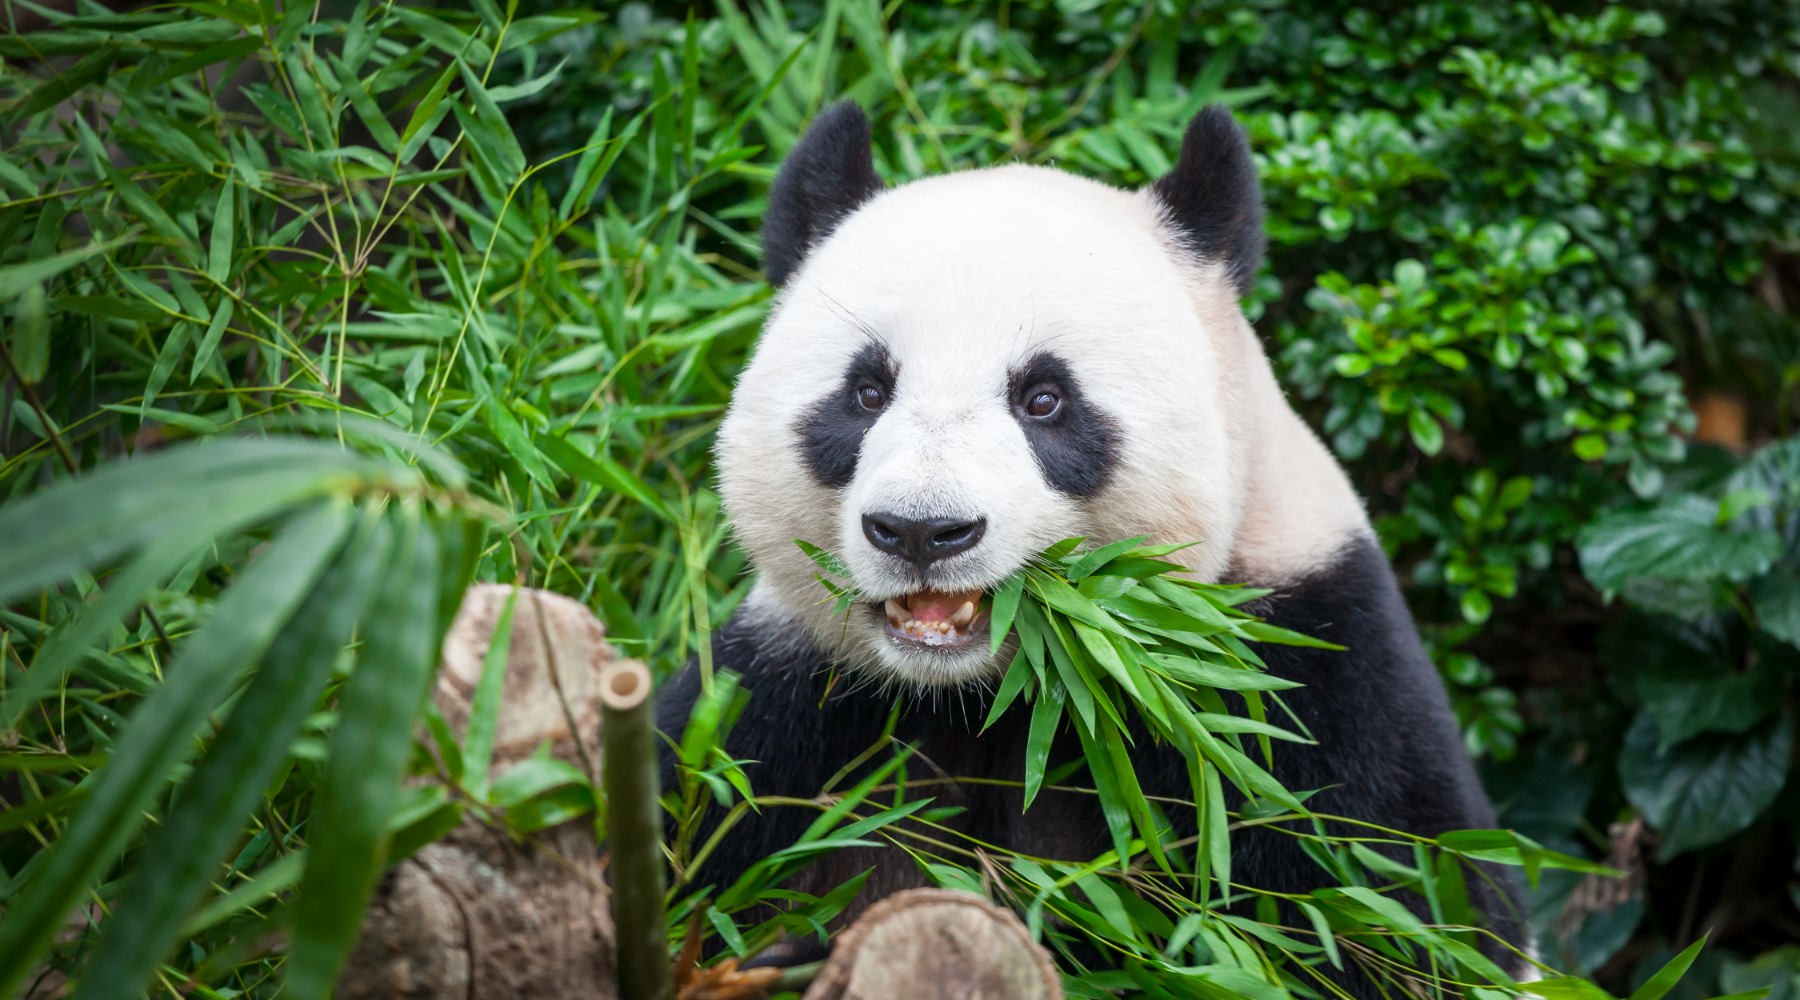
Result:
{"points": [[962, 370]]}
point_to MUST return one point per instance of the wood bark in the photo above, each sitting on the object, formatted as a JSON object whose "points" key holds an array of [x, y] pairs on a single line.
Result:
{"points": [[937, 943], [476, 916]]}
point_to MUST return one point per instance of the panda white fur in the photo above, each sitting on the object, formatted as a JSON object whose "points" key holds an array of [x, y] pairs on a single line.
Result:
{"points": [[962, 370]]}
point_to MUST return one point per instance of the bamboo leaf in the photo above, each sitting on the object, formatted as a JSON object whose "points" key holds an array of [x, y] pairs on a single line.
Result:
{"points": [[1046, 713], [215, 332], [15, 280], [426, 115], [1005, 606], [160, 733], [66, 83], [484, 707], [208, 56], [368, 751], [1666, 977], [218, 257], [447, 39], [606, 473], [212, 806], [1018, 674], [1327, 939], [367, 110]]}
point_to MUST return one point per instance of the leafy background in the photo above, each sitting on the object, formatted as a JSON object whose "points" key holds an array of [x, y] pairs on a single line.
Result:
{"points": [[1533, 275]]}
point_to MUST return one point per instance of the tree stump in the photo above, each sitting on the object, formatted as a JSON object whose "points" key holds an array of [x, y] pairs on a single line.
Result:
{"points": [[476, 916], [937, 943]]}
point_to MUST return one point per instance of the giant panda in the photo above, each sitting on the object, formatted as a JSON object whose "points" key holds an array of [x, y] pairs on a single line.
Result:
{"points": [[958, 372]]}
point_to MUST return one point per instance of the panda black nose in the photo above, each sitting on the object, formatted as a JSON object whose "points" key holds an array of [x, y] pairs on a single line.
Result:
{"points": [[922, 542]]}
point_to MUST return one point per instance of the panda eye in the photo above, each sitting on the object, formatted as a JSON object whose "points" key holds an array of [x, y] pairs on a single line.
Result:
{"points": [[1042, 403], [871, 398]]}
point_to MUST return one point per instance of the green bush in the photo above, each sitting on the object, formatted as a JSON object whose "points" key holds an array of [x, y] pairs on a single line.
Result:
{"points": [[1503, 238]]}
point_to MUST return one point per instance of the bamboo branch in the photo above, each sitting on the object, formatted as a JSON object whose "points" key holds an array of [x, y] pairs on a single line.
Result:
{"points": [[629, 773]]}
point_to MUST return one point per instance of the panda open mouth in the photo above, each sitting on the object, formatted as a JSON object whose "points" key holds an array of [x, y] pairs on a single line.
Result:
{"points": [[937, 618]]}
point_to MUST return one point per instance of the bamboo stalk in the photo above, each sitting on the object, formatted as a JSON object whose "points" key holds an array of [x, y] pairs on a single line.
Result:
{"points": [[629, 775]]}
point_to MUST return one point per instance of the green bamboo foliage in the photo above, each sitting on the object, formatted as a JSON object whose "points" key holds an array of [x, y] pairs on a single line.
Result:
{"points": [[359, 547], [1106, 639]]}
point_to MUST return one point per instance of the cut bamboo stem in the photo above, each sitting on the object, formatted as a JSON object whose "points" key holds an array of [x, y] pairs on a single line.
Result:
{"points": [[634, 827]]}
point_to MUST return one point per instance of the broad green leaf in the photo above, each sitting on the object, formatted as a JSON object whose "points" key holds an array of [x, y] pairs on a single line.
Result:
{"points": [[1703, 791], [1678, 539], [1707, 698], [1777, 602]]}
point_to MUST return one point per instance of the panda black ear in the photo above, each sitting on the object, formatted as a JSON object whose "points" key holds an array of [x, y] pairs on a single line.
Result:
{"points": [[1213, 198], [828, 174]]}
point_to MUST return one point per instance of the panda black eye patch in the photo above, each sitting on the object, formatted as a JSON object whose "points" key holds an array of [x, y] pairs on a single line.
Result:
{"points": [[1075, 442], [831, 433]]}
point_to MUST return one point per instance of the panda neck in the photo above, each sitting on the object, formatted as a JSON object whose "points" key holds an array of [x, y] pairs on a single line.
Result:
{"points": [[1299, 511]]}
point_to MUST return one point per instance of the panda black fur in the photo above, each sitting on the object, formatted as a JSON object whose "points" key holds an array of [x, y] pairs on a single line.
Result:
{"points": [[959, 301]]}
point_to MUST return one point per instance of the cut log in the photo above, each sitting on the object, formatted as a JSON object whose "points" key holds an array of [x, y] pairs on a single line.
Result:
{"points": [[476, 916], [937, 943]]}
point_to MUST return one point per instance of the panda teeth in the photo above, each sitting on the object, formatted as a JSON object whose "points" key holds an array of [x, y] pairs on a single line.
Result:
{"points": [[964, 615], [896, 614]]}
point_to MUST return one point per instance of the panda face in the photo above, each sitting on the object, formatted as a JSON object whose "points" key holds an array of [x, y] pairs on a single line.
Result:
{"points": [[967, 369]]}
